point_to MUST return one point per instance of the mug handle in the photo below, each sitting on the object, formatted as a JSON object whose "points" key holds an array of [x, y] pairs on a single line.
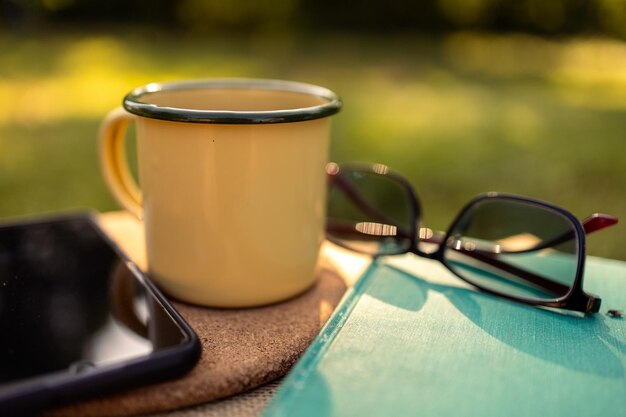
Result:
{"points": [[114, 163]]}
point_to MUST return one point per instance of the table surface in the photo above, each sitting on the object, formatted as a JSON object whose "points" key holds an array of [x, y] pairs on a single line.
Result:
{"points": [[128, 234]]}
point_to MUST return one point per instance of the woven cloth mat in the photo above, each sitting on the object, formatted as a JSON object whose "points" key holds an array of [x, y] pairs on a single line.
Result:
{"points": [[248, 404], [241, 348]]}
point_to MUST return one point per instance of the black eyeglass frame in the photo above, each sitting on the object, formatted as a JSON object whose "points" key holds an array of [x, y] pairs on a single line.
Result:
{"points": [[575, 299]]}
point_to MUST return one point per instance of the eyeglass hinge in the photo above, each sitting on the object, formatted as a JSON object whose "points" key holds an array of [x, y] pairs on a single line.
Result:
{"points": [[593, 304]]}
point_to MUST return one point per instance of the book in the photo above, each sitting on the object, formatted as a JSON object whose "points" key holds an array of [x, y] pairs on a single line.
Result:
{"points": [[412, 339]]}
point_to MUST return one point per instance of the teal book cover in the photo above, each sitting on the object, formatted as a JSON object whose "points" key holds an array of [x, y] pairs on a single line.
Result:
{"points": [[411, 339]]}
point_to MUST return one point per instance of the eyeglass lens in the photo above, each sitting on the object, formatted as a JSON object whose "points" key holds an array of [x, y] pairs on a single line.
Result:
{"points": [[369, 213], [515, 248]]}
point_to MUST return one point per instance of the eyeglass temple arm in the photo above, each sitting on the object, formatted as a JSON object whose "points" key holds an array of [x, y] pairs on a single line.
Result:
{"points": [[593, 223], [488, 258], [598, 221], [584, 302], [532, 277], [481, 256]]}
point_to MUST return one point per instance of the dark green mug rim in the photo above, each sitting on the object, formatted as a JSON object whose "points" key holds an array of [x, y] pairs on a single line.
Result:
{"points": [[133, 102]]}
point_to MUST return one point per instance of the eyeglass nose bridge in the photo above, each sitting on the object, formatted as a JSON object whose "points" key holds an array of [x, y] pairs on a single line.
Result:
{"points": [[427, 242]]}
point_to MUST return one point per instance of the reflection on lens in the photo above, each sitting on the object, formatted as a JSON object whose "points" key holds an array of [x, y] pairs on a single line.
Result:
{"points": [[516, 248], [376, 229], [369, 212]]}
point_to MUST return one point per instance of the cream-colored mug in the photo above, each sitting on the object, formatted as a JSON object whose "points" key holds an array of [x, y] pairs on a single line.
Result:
{"points": [[233, 187]]}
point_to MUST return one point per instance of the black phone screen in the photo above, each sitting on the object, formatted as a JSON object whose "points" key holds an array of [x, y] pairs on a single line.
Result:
{"points": [[69, 303]]}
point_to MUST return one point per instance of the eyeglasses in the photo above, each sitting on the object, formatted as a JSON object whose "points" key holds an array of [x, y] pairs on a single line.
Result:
{"points": [[514, 247]]}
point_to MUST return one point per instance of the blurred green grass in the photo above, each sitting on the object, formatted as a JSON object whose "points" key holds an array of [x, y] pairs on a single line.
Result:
{"points": [[459, 114]]}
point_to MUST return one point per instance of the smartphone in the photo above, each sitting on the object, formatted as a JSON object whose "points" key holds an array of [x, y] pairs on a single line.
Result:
{"points": [[78, 318]]}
